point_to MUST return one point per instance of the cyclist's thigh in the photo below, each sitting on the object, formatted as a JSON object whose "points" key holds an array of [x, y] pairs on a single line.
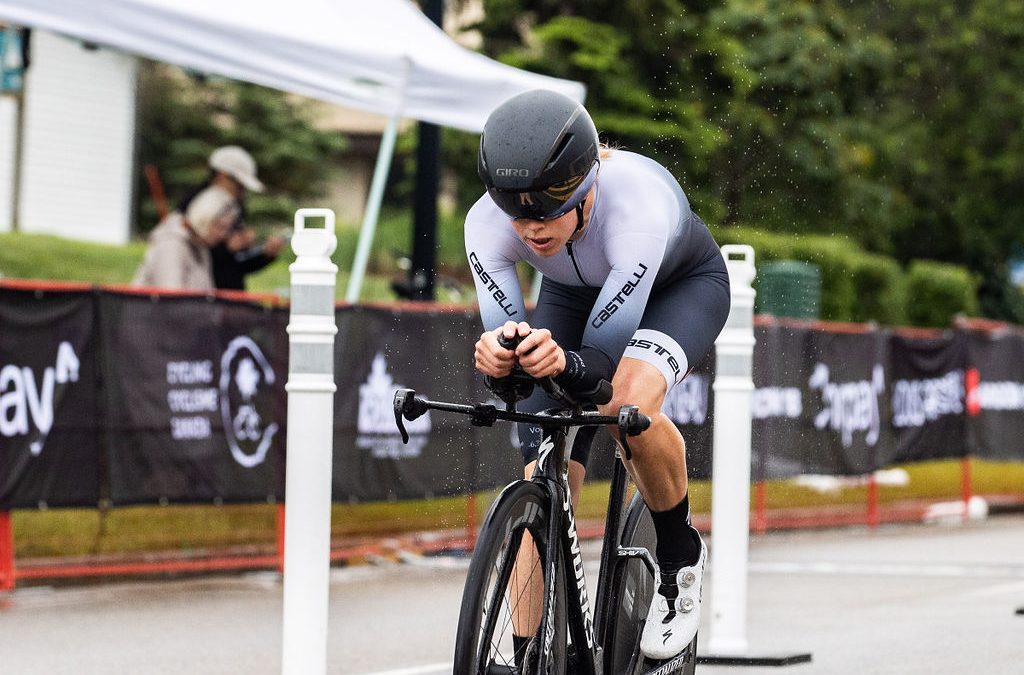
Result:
{"points": [[682, 320]]}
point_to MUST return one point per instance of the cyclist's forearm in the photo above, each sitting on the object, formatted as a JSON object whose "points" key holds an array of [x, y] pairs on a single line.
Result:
{"points": [[585, 369]]}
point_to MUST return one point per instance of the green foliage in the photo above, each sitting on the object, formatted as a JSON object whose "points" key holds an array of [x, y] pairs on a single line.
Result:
{"points": [[861, 286], [937, 292], [879, 290], [893, 125], [182, 119]]}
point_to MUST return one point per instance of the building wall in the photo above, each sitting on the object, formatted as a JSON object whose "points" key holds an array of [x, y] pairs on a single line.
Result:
{"points": [[8, 146], [78, 141]]}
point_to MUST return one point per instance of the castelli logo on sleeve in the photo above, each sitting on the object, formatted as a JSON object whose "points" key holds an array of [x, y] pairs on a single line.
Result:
{"points": [[244, 374], [24, 399]]}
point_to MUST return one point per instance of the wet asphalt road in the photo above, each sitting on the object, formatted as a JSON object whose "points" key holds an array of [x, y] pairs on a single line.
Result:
{"points": [[904, 599]]}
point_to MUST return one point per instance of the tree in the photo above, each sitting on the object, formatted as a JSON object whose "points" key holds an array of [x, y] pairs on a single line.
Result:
{"points": [[951, 136], [749, 102], [183, 117]]}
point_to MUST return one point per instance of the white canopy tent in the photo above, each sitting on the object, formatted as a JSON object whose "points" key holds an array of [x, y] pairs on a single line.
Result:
{"points": [[382, 56]]}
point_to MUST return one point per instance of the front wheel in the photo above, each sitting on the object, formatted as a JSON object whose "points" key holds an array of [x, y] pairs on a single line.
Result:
{"points": [[502, 594]]}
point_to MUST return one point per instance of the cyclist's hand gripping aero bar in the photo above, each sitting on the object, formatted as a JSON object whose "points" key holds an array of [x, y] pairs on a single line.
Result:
{"points": [[517, 385], [630, 421]]}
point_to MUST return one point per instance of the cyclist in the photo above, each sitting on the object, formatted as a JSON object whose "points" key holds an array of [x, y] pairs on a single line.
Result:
{"points": [[634, 291]]}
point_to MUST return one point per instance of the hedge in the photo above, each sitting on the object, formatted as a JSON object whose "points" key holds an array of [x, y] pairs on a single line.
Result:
{"points": [[861, 286], [937, 291]]}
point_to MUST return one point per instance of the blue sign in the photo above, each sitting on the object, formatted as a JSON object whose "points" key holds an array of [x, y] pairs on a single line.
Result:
{"points": [[11, 65]]}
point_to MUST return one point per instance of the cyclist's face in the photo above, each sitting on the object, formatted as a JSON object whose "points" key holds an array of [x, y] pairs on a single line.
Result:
{"points": [[548, 237]]}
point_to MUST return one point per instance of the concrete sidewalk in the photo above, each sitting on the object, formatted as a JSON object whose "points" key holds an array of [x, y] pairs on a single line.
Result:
{"points": [[899, 599]]}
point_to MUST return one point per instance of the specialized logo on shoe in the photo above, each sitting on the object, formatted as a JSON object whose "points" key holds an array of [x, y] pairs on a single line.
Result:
{"points": [[376, 421], [667, 634]]}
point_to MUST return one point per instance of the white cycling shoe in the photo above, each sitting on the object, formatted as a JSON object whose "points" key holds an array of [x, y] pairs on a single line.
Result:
{"points": [[674, 616]]}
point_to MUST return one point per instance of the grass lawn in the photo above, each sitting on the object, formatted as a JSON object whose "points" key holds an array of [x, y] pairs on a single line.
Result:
{"points": [[70, 532]]}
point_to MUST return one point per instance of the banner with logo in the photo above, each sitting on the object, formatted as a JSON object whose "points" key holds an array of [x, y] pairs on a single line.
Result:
{"points": [[378, 351], [995, 398], [781, 394], [49, 412], [146, 399], [194, 399], [927, 415], [847, 399]]}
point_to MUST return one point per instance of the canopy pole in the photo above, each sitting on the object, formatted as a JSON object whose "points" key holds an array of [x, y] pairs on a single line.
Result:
{"points": [[380, 176]]}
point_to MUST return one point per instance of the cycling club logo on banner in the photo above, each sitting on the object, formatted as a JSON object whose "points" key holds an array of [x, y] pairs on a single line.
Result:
{"points": [[376, 427], [22, 397], [849, 407], [244, 370]]}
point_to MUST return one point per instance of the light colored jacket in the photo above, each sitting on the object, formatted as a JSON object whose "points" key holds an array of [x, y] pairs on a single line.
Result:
{"points": [[173, 260]]}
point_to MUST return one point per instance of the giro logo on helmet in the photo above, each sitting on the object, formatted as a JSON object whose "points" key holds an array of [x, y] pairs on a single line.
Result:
{"points": [[521, 173]]}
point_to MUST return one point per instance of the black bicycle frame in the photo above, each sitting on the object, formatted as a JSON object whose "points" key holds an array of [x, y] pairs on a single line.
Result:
{"points": [[551, 472], [587, 628]]}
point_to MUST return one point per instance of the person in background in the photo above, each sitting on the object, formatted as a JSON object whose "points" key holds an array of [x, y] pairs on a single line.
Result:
{"points": [[178, 254], [234, 170]]}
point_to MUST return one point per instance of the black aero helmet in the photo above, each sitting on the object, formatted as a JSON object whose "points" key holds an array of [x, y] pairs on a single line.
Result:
{"points": [[538, 155]]}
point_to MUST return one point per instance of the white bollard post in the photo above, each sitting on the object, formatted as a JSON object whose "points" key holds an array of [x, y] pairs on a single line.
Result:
{"points": [[730, 486], [307, 547]]}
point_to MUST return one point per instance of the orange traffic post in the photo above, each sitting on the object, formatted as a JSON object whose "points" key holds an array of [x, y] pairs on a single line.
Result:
{"points": [[470, 521], [965, 485], [760, 507], [6, 552], [872, 501], [280, 537]]}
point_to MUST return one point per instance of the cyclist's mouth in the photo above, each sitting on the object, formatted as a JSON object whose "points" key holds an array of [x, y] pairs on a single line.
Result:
{"points": [[541, 244]]}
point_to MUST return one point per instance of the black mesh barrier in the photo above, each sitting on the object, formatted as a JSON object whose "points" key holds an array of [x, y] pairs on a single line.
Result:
{"points": [[194, 399], [995, 395], [846, 396], [778, 421], [180, 398], [49, 414], [377, 352]]}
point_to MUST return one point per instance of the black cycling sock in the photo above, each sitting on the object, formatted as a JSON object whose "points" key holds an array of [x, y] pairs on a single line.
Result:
{"points": [[519, 645], [678, 543]]}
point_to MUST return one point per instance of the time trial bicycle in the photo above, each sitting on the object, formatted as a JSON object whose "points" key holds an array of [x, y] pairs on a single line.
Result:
{"points": [[603, 642]]}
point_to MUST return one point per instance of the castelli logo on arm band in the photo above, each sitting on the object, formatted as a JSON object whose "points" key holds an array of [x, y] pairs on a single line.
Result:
{"points": [[492, 287]]}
